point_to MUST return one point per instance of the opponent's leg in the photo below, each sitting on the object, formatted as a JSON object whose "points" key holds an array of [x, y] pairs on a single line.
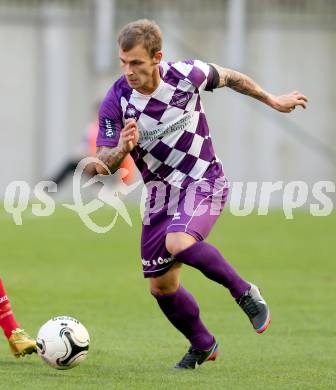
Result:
{"points": [[182, 311], [212, 264], [19, 341], [68, 168]]}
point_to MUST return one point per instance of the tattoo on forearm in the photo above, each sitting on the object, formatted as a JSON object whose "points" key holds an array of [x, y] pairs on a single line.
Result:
{"points": [[112, 157], [244, 84], [240, 83]]}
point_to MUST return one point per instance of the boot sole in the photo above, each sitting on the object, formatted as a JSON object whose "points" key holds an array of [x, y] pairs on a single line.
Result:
{"points": [[265, 326]]}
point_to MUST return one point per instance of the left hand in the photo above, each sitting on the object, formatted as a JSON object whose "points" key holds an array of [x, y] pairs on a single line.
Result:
{"points": [[287, 103]]}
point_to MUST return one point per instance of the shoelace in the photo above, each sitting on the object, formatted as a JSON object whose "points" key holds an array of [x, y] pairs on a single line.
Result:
{"points": [[189, 357], [249, 305], [18, 332]]}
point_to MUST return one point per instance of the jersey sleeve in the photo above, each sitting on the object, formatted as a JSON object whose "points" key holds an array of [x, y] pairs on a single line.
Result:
{"points": [[201, 75], [110, 120]]}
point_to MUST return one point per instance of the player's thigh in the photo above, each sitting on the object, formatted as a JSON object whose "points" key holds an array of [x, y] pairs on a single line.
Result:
{"points": [[167, 283], [178, 241]]}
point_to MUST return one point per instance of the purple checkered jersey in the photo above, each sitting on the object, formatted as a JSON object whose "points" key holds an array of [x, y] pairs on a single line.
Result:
{"points": [[175, 145]]}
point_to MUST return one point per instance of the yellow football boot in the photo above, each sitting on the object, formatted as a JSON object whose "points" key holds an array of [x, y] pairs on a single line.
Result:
{"points": [[21, 343]]}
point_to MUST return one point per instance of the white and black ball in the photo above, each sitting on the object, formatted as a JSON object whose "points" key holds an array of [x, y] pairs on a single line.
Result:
{"points": [[63, 342]]}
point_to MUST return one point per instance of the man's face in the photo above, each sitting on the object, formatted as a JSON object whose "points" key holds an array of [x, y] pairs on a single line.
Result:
{"points": [[138, 67]]}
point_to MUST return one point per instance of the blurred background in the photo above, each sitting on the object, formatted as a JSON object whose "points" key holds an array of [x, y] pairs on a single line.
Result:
{"points": [[58, 57]]}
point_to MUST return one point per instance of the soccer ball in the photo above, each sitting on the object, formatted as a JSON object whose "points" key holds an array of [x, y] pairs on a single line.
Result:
{"points": [[63, 342]]}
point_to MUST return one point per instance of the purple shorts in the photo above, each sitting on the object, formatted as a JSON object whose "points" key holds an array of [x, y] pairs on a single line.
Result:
{"points": [[169, 209]]}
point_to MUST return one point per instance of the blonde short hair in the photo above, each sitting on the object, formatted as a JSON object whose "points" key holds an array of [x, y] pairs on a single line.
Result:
{"points": [[141, 32]]}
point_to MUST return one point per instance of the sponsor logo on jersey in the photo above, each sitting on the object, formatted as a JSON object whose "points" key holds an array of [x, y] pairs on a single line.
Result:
{"points": [[180, 125], [131, 112], [110, 129], [180, 99]]}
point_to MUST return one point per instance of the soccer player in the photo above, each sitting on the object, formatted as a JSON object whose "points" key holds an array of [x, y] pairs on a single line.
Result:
{"points": [[154, 113], [20, 342]]}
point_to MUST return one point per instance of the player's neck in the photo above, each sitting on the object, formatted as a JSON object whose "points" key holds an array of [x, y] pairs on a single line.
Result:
{"points": [[151, 86]]}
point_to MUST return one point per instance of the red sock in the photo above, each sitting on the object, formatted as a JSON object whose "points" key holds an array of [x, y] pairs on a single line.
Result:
{"points": [[7, 320]]}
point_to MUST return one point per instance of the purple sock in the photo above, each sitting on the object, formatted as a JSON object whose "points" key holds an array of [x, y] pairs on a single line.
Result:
{"points": [[182, 311], [212, 264]]}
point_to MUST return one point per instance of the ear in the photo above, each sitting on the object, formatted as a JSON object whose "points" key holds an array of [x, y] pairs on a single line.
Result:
{"points": [[157, 57]]}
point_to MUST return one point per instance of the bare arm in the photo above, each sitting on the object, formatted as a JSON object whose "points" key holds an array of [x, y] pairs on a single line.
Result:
{"points": [[245, 85], [113, 157]]}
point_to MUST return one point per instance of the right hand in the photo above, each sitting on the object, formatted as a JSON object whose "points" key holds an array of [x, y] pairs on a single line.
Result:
{"points": [[287, 103], [129, 136]]}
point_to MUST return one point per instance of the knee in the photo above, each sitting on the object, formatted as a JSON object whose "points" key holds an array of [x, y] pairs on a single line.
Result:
{"points": [[164, 285], [167, 283], [158, 290], [177, 242]]}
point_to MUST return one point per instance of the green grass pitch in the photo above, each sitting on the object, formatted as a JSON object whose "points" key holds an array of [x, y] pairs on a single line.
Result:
{"points": [[54, 266]]}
